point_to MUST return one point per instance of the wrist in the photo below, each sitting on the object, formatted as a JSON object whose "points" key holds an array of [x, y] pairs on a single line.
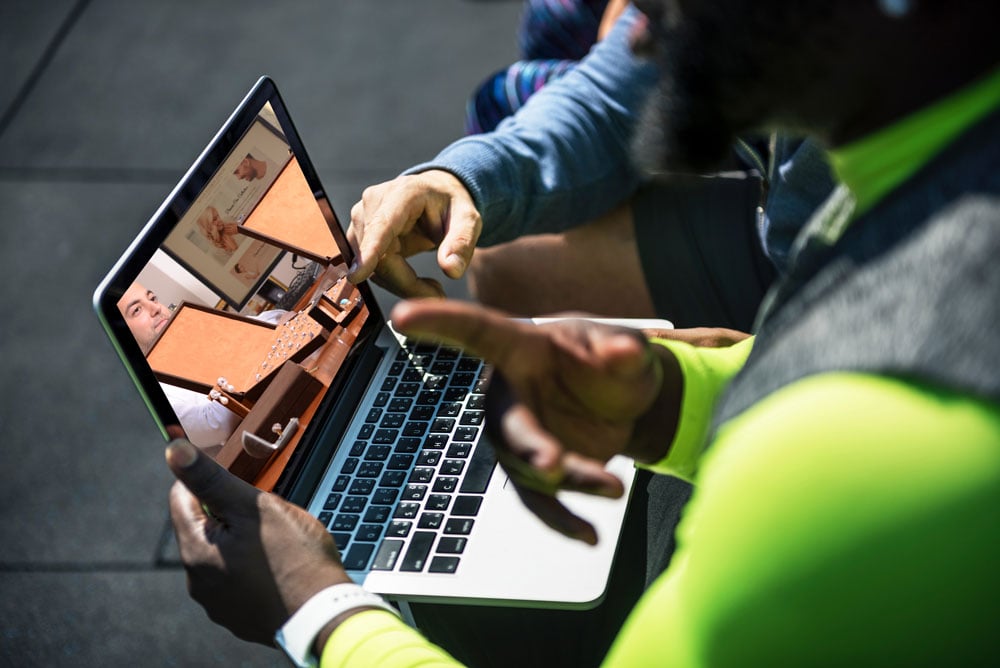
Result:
{"points": [[307, 631], [654, 430]]}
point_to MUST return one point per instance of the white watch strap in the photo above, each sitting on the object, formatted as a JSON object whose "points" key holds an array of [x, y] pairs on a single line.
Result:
{"points": [[296, 637]]}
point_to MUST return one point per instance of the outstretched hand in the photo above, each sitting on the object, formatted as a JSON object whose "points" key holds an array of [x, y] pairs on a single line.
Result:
{"points": [[408, 215], [252, 559], [565, 397]]}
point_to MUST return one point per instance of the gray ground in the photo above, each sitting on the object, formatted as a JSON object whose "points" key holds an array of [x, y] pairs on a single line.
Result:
{"points": [[105, 103]]}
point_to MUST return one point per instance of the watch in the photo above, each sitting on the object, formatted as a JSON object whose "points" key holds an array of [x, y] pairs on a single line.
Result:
{"points": [[297, 635]]}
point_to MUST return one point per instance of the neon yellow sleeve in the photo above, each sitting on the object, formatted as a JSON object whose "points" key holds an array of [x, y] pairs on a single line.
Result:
{"points": [[844, 520], [706, 372], [379, 638]]}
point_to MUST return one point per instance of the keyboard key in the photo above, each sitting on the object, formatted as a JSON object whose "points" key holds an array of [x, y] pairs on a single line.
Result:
{"points": [[449, 409], [443, 565], [385, 436], [392, 479], [459, 450], [422, 474], [466, 506], [388, 553], [476, 401], [414, 492], [452, 544], [361, 486], [341, 483], [350, 465], [436, 441], [332, 501], [462, 379], [459, 525], [429, 398], [378, 453], [430, 521], [341, 539], [400, 405], [368, 533], [407, 511], [407, 389], [438, 502], [377, 514], [373, 415], [354, 504], [424, 413], [435, 382], [385, 496], [366, 431], [381, 399], [399, 529], [358, 556], [393, 420], [325, 517], [388, 384], [442, 368], [452, 467], [415, 429], [468, 364], [358, 448], [445, 484], [481, 467], [443, 426], [370, 469], [429, 458], [413, 376], [400, 462], [445, 353], [455, 393], [345, 522], [416, 554], [408, 445], [481, 385], [472, 418], [421, 360], [466, 434]]}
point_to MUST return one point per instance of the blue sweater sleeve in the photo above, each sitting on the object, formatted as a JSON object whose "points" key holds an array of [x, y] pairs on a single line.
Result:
{"points": [[563, 159]]}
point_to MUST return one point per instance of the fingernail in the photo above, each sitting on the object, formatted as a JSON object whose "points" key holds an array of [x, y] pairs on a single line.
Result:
{"points": [[353, 268], [457, 261], [181, 453]]}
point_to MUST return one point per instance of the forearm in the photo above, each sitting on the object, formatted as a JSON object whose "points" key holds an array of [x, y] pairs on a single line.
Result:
{"points": [[563, 159], [378, 638]]}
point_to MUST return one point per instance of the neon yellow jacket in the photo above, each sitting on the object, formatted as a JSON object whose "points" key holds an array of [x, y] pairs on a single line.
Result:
{"points": [[811, 539]]}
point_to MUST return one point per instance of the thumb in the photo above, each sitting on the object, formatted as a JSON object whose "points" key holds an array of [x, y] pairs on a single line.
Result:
{"points": [[219, 490]]}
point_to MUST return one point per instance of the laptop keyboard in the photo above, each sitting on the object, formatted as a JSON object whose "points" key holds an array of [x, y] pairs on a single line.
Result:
{"points": [[407, 496]]}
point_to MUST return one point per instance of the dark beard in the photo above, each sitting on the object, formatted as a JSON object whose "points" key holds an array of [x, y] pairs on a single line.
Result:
{"points": [[734, 68]]}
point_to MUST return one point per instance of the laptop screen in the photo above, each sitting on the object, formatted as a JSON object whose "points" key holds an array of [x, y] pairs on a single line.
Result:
{"points": [[235, 290]]}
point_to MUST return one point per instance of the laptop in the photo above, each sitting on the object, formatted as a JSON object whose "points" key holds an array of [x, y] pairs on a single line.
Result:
{"points": [[233, 316]]}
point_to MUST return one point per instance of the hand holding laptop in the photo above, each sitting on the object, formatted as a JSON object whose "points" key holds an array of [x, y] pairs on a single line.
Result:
{"points": [[565, 397], [246, 550]]}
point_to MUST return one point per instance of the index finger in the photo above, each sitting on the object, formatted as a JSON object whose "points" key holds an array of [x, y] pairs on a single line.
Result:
{"points": [[484, 332], [375, 232]]}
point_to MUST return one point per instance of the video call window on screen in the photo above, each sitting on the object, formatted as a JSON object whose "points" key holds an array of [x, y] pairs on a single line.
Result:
{"points": [[246, 298]]}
